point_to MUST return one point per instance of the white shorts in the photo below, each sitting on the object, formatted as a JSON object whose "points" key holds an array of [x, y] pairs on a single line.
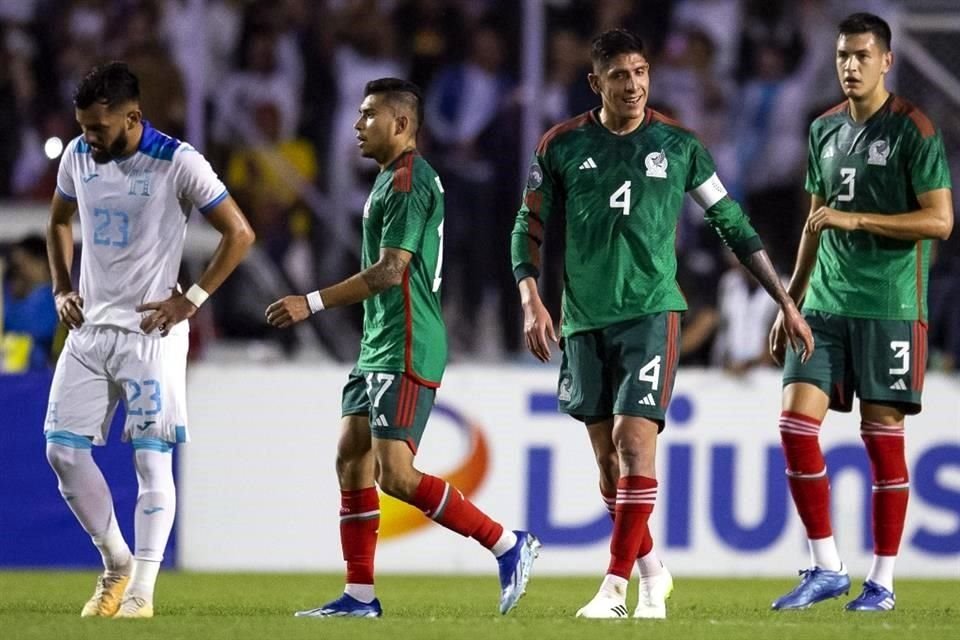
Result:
{"points": [[99, 365]]}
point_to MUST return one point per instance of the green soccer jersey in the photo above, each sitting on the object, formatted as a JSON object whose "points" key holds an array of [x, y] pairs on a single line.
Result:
{"points": [[879, 166], [402, 327], [621, 198]]}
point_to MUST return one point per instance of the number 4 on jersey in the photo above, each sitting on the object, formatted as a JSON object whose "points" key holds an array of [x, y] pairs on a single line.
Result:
{"points": [[620, 199]]}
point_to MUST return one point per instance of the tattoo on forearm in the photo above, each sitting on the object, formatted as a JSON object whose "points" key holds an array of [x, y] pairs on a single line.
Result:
{"points": [[385, 273], [758, 263]]}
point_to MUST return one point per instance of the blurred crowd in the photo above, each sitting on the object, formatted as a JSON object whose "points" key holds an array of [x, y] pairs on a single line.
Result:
{"points": [[269, 89]]}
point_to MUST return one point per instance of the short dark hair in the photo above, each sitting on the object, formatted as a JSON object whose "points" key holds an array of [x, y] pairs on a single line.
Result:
{"points": [[110, 84], [612, 43], [866, 23], [397, 90]]}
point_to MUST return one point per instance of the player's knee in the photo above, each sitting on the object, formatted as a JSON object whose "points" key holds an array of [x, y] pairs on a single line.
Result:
{"points": [[63, 458], [347, 464], [398, 481], [631, 453], [154, 471], [609, 465]]}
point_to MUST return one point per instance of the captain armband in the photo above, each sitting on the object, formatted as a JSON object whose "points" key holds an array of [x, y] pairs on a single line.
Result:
{"points": [[709, 193], [736, 232]]}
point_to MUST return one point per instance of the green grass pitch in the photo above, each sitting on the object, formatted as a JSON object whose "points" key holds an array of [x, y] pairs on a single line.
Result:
{"points": [[46, 605]]}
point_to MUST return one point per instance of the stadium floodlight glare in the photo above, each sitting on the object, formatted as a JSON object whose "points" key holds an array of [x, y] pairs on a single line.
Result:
{"points": [[53, 147]]}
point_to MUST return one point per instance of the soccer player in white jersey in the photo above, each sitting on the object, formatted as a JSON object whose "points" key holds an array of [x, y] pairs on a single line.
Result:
{"points": [[135, 188]]}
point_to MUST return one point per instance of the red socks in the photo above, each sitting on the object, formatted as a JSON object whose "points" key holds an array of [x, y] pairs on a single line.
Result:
{"points": [[646, 540], [446, 505], [807, 472], [359, 522], [636, 496], [891, 484]]}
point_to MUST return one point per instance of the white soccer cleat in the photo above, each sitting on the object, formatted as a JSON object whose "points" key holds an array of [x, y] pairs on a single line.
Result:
{"points": [[604, 606], [135, 607], [106, 597], [654, 591]]}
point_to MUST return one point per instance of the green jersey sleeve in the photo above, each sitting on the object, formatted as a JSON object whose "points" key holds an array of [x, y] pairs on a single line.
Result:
{"points": [[722, 213], [535, 208], [814, 181], [927, 164], [405, 217]]}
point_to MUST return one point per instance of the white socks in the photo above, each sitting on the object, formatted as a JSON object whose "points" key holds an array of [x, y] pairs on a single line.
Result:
{"points": [[86, 493], [153, 519], [824, 554], [614, 587], [143, 579], [881, 571], [117, 559], [362, 592], [508, 539], [650, 565]]}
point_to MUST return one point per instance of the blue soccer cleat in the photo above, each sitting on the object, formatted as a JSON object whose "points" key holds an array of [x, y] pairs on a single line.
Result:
{"points": [[873, 598], [344, 607], [815, 586], [515, 569]]}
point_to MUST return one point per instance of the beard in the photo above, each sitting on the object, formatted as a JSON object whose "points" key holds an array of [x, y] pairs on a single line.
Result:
{"points": [[114, 151]]}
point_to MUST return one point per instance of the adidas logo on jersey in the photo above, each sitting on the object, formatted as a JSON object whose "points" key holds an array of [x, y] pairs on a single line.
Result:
{"points": [[381, 421], [899, 385], [588, 164], [648, 400]]}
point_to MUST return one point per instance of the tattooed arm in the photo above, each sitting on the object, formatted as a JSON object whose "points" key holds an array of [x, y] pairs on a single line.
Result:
{"points": [[385, 273], [790, 320]]}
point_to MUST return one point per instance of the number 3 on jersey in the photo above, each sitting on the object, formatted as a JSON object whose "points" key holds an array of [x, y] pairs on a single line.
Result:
{"points": [[848, 175]]}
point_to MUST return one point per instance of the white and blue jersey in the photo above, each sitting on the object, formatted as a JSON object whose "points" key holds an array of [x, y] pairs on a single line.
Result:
{"points": [[133, 218]]}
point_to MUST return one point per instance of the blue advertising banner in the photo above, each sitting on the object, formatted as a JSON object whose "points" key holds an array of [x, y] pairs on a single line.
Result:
{"points": [[37, 529]]}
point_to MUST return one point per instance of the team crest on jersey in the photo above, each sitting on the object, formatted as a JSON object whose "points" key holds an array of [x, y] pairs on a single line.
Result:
{"points": [[139, 182], [656, 163], [565, 387], [535, 177], [877, 152]]}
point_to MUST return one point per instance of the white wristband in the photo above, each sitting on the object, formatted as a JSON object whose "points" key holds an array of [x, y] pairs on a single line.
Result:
{"points": [[196, 295], [314, 301]]}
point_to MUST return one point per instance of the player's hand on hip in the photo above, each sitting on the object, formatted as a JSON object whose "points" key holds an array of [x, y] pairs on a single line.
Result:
{"points": [[827, 218], [797, 332], [166, 314], [288, 311], [69, 308], [538, 330]]}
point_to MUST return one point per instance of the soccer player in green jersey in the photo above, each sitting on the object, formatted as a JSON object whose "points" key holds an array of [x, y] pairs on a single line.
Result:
{"points": [[879, 194], [403, 352], [618, 175]]}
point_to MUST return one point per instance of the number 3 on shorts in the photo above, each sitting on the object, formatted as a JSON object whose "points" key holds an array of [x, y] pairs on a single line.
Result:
{"points": [[901, 350]]}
